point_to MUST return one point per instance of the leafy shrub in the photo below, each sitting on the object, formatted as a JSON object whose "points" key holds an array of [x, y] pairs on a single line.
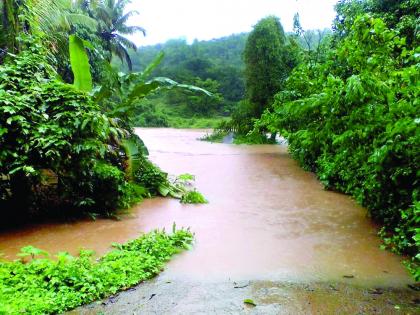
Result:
{"points": [[355, 123], [252, 138], [150, 176], [193, 196], [108, 186], [46, 286], [48, 127], [216, 136]]}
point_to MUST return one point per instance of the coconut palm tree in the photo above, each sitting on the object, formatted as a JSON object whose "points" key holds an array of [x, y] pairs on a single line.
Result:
{"points": [[54, 18], [112, 28]]}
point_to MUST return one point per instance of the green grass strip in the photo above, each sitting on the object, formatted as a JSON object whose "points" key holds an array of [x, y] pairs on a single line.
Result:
{"points": [[34, 285]]}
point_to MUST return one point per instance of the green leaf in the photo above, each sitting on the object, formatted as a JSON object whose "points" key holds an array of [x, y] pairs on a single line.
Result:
{"points": [[250, 302], [164, 189], [80, 64], [170, 84], [149, 69]]}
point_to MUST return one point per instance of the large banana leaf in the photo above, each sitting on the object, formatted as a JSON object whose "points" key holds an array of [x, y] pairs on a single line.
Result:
{"points": [[133, 87], [79, 61], [142, 89], [152, 66]]}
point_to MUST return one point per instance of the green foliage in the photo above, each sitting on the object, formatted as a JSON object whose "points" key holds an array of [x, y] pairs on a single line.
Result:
{"points": [[218, 60], [252, 138], [198, 104], [123, 94], [266, 67], [215, 136], [108, 185], [80, 64], [47, 286], [46, 125], [214, 65], [186, 177], [353, 119], [402, 16], [112, 17], [193, 196], [154, 111], [150, 176], [250, 302], [269, 58], [60, 154]]}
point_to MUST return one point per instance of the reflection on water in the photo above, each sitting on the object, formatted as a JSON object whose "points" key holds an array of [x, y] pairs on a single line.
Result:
{"points": [[267, 219]]}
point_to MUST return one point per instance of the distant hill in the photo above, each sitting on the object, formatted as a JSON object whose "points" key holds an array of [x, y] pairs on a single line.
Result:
{"points": [[218, 59]]}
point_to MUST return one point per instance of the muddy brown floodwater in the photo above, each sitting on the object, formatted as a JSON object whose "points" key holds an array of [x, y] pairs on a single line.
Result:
{"points": [[267, 220]]}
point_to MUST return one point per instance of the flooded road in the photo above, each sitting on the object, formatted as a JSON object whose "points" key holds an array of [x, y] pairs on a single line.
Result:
{"points": [[267, 219]]}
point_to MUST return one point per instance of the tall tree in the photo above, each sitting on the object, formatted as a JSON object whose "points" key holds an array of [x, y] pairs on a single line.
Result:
{"points": [[54, 18], [9, 26], [265, 63], [112, 26]]}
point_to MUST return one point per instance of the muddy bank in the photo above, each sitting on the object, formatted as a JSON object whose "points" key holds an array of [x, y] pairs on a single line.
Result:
{"points": [[162, 296]]}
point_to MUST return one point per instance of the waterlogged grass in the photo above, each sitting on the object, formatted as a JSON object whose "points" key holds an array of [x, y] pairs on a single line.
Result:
{"points": [[195, 122], [36, 284], [193, 197], [252, 138], [216, 136]]}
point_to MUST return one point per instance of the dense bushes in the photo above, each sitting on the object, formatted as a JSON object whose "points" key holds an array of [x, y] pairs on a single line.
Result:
{"points": [[150, 176], [353, 119], [58, 150], [41, 285]]}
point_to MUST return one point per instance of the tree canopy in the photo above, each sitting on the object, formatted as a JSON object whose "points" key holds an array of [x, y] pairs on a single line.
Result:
{"points": [[265, 63]]}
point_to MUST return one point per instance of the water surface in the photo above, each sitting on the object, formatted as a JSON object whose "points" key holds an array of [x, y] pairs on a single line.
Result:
{"points": [[266, 219]]}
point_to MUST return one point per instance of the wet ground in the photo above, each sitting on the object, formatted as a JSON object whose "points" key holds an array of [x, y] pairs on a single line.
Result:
{"points": [[180, 297], [303, 250]]}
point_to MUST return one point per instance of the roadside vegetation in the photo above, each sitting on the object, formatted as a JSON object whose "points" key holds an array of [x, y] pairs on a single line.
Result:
{"points": [[68, 146], [68, 149], [348, 107], [73, 87], [38, 284]]}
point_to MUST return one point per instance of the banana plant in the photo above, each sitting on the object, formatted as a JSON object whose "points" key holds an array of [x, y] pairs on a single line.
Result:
{"points": [[127, 90], [79, 61]]}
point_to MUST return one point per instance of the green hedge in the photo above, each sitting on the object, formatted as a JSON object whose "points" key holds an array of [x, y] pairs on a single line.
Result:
{"points": [[354, 120]]}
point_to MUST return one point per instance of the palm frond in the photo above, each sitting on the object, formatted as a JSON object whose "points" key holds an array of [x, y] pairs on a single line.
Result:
{"points": [[121, 4], [82, 19], [125, 42], [121, 52], [123, 19], [131, 30], [104, 15], [51, 15]]}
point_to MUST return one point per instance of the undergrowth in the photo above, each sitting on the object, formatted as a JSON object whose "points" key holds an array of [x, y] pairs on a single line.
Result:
{"points": [[37, 284], [193, 197]]}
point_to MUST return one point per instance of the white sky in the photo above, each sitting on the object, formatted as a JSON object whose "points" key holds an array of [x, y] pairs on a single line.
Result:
{"points": [[207, 19]]}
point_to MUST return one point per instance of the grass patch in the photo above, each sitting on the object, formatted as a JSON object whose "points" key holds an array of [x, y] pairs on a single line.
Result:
{"points": [[215, 136], [252, 138], [156, 112], [37, 284], [195, 122], [194, 197]]}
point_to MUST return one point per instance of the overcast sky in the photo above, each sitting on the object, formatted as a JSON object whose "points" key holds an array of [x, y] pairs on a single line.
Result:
{"points": [[207, 19]]}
